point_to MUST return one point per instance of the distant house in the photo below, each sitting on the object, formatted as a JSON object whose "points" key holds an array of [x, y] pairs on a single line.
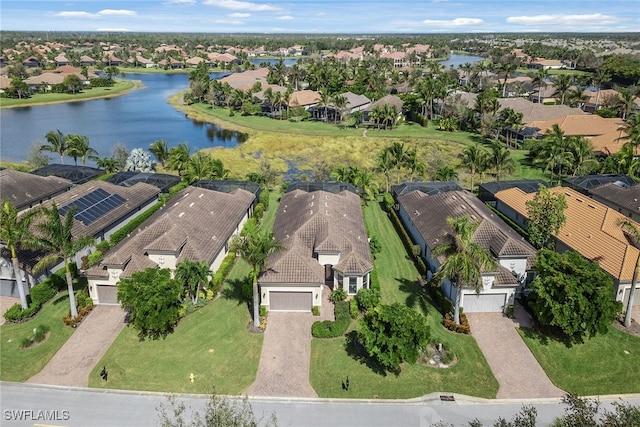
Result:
{"points": [[196, 225], [31, 62], [331, 113], [325, 243], [141, 61], [399, 59], [425, 219], [170, 63], [487, 190], [390, 100], [547, 64], [25, 190], [304, 98], [61, 60], [87, 61], [591, 229]]}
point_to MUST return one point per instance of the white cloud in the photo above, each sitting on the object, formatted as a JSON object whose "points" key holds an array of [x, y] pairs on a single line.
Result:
{"points": [[285, 18], [457, 22], [88, 15], [113, 30], [227, 21], [180, 2], [239, 15], [241, 5], [564, 20]]}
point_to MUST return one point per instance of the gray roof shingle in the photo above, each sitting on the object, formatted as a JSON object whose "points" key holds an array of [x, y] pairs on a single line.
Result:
{"points": [[24, 190]]}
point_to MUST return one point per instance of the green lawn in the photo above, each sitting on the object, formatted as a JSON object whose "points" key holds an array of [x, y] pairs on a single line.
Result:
{"points": [[605, 364], [18, 364], [331, 361], [119, 88]]}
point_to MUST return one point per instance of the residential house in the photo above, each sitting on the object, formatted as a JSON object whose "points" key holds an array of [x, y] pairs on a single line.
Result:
{"points": [[325, 243], [591, 229], [31, 62], [390, 100], [425, 219], [87, 61], [196, 225], [304, 98], [61, 60], [399, 59], [246, 79], [76, 174], [141, 61], [621, 197], [25, 190], [547, 64], [487, 190], [585, 184], [171, 63], [331, 113]]}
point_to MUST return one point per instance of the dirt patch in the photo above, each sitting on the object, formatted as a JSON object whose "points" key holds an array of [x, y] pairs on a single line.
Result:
{"points": [[438, 356], [633, 329]]}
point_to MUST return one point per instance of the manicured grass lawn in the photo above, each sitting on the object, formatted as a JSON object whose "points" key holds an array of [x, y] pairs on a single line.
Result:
{"points": [[118, 88], [18, 364], [331, 361], [598, 366]]}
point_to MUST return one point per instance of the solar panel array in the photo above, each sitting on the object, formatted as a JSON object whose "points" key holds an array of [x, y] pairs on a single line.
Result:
{"points": [[93, 206]]}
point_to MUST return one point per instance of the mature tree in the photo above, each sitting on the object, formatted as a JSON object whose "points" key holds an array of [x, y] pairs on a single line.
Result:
{"points": [[37, 158], [573, 294], [160, 150], [203, 166], [54, 237], [112, 71], [153, 300], [255, 248], [465, 259], [107, 163], [546, 216], [539, 80], [139, 161], [384, 163], [19, 87], [179, 157], [446, 173], [633, 234], [192, 276], [584, 161], [72, 83], [562, 84], [120, 154], [501, 160], [393, 334], [627, 101], [57, 143], [631, 128], [78, 146], [475, 159], [14, 233], [598, 78]]}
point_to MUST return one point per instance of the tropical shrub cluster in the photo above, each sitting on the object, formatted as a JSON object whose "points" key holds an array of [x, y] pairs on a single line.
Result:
{"points": [[40, 294], [329, 329], [38, 335]]}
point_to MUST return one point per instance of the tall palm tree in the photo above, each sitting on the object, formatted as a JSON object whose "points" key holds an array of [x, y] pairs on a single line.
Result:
{"points": [[582, 155], [412, 163], [55, 238], [384, 163], [57, 143], [78, 146], [474, 158], [626, 101], [340, 103], [539, 80], [501, 160], [599, 77], [255, 249], [193, 276], [631, 127], [14, 233], [562, 84], [555, 152], [160, 150], [446, 173], [179, 157], [465, 259], [398, 157], [633, 234]]}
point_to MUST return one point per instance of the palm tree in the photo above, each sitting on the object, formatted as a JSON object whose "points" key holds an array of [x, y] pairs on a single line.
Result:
{"points": [[193, 276], [203, 166], [582, 155], [501, 159], [398, 157], [562, 84], [55, 238], [446, 173], [57, 143], [78, 146], [538, 79], [384, 163], [555, 152], [626, 101], [109, 164], [340, 103], [412, 163], [599, 77], [255, 248], [474, 158], [633, 234], [631, 127], [179, 157], [465, 259], [160, 150], [14, 233], [508, 69], [324, 101]]}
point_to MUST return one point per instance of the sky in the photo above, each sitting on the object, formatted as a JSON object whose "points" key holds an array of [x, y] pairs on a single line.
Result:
{"points": [[322, 16]]}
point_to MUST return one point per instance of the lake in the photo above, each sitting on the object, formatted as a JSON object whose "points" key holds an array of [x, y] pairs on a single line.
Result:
{"points": [[455, 60], [135, 120]]}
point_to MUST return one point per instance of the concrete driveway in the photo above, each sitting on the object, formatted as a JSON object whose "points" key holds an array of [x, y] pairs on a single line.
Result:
{"points": [[75, 360], [286, 354], [517, 371]]}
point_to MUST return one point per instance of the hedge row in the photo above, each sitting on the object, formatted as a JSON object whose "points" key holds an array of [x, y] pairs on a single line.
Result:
{"points": [[407, 241], [40, 294], [264, 198], [222, 272], [329, 329], [122, 233]]}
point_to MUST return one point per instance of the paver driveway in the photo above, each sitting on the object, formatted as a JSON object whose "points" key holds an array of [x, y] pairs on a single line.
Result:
{"points": [[75, 360], [517, 371], [5, 304], [286, 353]]}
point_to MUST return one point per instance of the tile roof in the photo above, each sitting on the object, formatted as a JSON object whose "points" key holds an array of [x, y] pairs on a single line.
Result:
{"points": [[388, 99], [303, 98], [624, 197], [246, 79], [316, 222], [591, 229], [429, 215], [22, 189], [195, 224], [584, 125]]}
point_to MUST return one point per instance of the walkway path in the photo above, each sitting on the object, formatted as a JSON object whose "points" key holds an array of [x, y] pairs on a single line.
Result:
{"points": [[73, 363], [517, 371], [286, 354]]}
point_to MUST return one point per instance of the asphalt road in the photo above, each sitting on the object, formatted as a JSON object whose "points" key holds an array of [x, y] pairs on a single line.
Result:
{"points": [[40, 405]]}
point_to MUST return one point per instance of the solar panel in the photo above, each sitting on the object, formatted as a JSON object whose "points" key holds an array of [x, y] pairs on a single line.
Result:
{"points": [[93, 206]]}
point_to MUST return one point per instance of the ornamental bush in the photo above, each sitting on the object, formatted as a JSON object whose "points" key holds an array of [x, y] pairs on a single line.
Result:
{"points": [[329, 329]]}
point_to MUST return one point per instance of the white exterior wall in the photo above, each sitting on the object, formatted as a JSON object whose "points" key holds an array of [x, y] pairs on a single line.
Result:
{"points": [[511, 214], [517, 265], [112, 280], [329, 259], [164, 261], [316, 290]]}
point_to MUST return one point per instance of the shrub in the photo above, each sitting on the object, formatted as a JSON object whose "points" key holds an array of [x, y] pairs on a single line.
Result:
{"points": [[75, 321], [94, 258], [43, 292], [315, 310], [263, 311], [103, 246], [374, 281], [367, 299], [444, 304], [40, 333], [249, 227], [388, 201], [222, 273], [353, 308], [122, 233], [328, 329], [338, 295], [450, 324], [258, 211], [264, 198]]}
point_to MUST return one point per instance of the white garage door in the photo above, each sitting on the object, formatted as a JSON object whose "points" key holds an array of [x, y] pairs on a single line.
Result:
{"points": [[107, 294], [484, 303], [636, 297], [290, 301]]}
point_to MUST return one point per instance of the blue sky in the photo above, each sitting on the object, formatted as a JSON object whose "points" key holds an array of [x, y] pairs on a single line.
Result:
{"points": [[322, 16]]}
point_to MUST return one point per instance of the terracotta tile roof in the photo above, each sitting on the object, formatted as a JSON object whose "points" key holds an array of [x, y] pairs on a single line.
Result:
{"points": [[591, 229], [315, 222], [584, 125], [23, 189], [389, 99], [429, 215], [195, 224], [246, 78], [303, 98]]}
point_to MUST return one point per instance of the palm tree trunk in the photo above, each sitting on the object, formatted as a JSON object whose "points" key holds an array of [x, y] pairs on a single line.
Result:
{"points": [[72, 297], [456, 307], [634, 283], [256, 301], [18, 276]]}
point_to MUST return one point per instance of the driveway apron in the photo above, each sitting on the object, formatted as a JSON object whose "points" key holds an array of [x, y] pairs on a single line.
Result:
{"points": [[519, 374], [75, 360]]}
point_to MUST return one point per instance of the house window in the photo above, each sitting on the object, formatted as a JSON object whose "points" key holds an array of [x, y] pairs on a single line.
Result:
{"points": [[365, 281], [353, 285]]}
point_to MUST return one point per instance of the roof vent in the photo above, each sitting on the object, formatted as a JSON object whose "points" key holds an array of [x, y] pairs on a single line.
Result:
{"points": [[192, 203], [592, 206], [200, 196], [180, 215], [416, 213]]}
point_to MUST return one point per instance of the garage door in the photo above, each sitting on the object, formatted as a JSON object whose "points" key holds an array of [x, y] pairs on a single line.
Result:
{"points": [[107, 294], [488, 303], [636, 297], [290, 301]]}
